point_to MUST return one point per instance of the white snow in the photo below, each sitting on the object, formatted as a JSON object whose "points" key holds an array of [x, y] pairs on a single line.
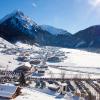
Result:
{"points": [[26, 46], [82, 58], [76, 60], [79, 58], [8, 62], [32, 94], [53, 30], [3, 43], [27, 64]]}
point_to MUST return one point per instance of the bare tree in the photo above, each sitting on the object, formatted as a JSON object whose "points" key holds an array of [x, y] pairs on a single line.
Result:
{"points": [[63, 74], [51, 74]]}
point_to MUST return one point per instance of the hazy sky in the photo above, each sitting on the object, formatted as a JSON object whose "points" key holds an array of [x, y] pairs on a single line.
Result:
{"points": [[72, 15]]}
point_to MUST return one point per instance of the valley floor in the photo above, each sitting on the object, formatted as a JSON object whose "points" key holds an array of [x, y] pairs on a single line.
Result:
{"points": [[75, 62]]}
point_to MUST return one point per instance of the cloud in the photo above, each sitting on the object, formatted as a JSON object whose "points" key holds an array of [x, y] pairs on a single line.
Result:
{"points": [[34, 4], [94, 3]]}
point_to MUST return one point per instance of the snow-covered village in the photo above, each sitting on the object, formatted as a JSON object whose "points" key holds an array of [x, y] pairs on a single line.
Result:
{"points": [[40, 61], [33, 72]]}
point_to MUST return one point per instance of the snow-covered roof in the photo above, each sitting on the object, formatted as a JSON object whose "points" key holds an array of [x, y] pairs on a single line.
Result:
{"points": [[7, 91], [27, 64]]}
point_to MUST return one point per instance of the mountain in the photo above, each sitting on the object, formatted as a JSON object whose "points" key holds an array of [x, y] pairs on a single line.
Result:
{"points": [[19, 27], [53, 30], [16, 27], [90, 36]]}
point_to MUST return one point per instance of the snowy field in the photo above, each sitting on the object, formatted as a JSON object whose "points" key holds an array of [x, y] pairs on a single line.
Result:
{"points": [[78, 60], [73, 62], [36, 94], [31, 94], [8, 62]]}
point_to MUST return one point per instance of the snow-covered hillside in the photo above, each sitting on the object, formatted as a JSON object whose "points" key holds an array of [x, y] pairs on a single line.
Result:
{"points": [[53, 30], [4, 43], [73, 59]]}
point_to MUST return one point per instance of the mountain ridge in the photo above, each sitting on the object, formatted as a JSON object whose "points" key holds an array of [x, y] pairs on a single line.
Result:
{"points": [[19, 27], [90, 35], [16, 26]]}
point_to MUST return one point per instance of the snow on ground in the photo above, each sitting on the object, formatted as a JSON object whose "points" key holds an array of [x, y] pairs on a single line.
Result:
{"points": [[53, 30], [8, 62], [82, 58], [26, 46], [32, 94], [4, 43], [79, 60], [76, 60]]}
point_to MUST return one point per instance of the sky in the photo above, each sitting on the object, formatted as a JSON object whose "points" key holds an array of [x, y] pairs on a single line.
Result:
{"points": [[71, 15]]}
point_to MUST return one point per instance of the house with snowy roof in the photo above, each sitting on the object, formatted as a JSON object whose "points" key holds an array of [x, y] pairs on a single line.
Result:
{"points": [[9, 91]]}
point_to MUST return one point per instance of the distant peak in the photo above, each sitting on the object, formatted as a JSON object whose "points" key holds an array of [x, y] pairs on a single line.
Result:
{"points": [[18, 12], [14, 13]]}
